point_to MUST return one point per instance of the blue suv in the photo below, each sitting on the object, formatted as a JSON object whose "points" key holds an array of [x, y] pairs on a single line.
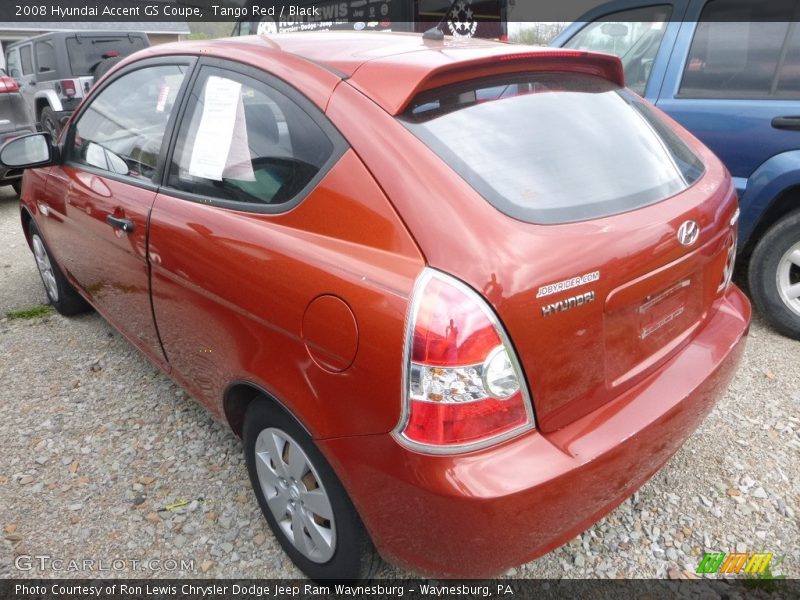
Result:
{"points": [[728, 71]]}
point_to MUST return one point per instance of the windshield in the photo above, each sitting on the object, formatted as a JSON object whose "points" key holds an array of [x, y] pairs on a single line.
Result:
{"points": [[634, 35], [554, 147]]}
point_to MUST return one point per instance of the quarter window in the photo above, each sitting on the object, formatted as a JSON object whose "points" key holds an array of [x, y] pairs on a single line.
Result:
{"points": [[45, 57], [123, 128], [737, 48], [245, 141], [633, 35]]}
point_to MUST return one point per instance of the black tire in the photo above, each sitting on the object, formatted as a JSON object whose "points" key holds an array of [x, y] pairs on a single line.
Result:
{"points": [[17, 185], [104, 66], [49, 123], [354, 557], [60, 293], [768, 266]]}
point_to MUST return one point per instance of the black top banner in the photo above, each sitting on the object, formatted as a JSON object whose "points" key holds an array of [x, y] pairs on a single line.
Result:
{"points": [[376, 11]]}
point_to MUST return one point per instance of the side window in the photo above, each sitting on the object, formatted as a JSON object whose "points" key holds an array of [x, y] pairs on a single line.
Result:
{"points": [[789, 78], [13, 64], [244, 141], [45, 57], [634, 35], [736, 49], [122, 129], [27, 59]]}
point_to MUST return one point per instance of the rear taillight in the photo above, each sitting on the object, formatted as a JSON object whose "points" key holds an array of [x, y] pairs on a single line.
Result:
{"points": [[463, 385], [8, 85], [730, 260], [68, 87]]}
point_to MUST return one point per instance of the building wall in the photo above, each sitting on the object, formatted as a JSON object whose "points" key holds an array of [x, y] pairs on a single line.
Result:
{"points": [[163, 38]]}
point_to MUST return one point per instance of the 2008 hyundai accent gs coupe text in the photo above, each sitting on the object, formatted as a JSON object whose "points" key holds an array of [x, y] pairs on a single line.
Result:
{"points": [[459, 298]]}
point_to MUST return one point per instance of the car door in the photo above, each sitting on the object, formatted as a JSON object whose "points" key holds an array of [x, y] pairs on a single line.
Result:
{"points": [[246, 153], [734, 80], [641, 32], [266, 226], [21, 68], [99, 199]]}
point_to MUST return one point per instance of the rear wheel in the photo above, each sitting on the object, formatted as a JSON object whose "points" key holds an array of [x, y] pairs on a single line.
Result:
{"points": [[60, 292], [104, 66], [303, 501], [49, 123], [774, 275]]}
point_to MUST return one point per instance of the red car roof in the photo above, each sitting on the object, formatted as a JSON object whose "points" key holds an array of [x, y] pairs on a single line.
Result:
{"points": [[391, 68]]}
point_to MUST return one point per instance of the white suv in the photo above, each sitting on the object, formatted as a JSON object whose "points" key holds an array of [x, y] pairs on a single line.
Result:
{"points": [[55, 70]]}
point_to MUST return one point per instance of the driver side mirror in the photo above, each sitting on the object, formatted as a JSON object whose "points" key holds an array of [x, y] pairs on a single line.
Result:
{"points": [[28, 151]]}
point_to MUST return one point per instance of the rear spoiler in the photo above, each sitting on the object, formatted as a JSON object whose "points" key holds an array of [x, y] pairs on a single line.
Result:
{"points": [[394, 96]]}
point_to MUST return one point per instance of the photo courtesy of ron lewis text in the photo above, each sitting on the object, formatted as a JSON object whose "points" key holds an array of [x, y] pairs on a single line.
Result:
{"points": [[399, 299]]}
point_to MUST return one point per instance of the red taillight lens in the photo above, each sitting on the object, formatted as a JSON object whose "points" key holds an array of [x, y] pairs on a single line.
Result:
{"points": [[450, 329], [463, 384], [8, 84], [68, 87]]}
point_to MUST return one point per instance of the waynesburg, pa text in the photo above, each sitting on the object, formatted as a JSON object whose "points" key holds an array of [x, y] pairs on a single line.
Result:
{"points": [[260, 591]]}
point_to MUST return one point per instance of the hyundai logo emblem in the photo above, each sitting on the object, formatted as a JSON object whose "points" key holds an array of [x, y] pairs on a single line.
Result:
{"points": [[688, 233]]}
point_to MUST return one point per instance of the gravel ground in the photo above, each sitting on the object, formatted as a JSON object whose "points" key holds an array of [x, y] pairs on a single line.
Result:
{"points": [[18, 289], [96, 443]]}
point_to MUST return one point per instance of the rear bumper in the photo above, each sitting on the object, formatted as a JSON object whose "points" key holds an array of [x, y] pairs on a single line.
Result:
{"points": [[478, 514]]}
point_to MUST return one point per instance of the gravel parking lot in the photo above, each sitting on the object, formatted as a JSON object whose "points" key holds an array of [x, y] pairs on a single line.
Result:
{"points": [[97, 444]]}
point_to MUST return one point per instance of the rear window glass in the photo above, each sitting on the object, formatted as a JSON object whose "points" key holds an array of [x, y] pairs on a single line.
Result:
{"points": [[554, 147], [737, 49], [86, 52]]}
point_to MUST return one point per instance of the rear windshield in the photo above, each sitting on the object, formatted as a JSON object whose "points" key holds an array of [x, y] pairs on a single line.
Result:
{"points": [[86, 52], [554, 147]]}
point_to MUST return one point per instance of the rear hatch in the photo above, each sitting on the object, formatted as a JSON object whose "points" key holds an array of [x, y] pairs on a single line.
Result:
{"points": [[86, 51], [612, 235]]}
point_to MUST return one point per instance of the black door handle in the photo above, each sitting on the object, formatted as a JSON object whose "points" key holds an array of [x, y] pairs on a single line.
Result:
{"points": [[125, 225], [791, 123]]}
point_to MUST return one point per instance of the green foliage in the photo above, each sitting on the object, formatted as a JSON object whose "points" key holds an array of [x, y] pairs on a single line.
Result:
{"points": [[540, 34], [31, 313], [210, 30], [767, 580]]}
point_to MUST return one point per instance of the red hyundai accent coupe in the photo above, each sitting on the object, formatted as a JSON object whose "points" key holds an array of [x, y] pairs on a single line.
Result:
{"points": [[459, 298]]}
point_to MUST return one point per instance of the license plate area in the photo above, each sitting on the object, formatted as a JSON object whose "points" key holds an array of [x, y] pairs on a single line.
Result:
{"points": [[660, 313], [648, 318]]}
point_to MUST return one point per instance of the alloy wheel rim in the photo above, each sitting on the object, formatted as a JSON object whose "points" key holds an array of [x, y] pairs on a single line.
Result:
{"points": [[788, 278], [295, 495], [45, 268]]}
